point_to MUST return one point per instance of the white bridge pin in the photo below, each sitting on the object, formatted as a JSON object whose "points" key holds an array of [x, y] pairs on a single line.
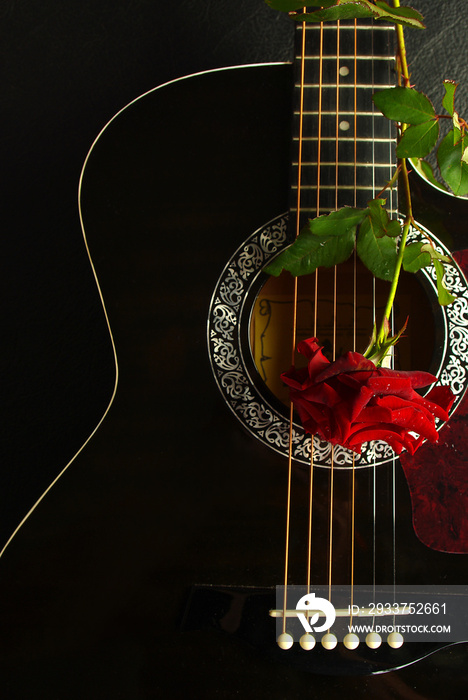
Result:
{"points": [[351, 641], [373, 640], [329, 641], [285, 641], [395, 640], [307, 641]]}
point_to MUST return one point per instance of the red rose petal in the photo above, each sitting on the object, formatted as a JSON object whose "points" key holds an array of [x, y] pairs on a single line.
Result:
{"points": [[373, 432], [350, 362], [374, 414], [429, 404], [397, 386], [350, 401], [442, 396], [296, 378], [309, 347], [313, 351], [360, 401], [418, 379]]}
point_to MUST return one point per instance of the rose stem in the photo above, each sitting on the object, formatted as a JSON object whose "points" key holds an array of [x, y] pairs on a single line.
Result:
{"points": [[403, 68]]}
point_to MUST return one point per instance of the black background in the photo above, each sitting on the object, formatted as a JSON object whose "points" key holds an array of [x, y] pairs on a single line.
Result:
{"points": [[67, 68]]}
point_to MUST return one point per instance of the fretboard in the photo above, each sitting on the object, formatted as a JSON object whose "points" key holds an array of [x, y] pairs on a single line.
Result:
{"points": [[348, 147]]}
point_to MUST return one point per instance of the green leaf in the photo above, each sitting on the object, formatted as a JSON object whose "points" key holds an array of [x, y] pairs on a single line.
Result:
{"points": [[403, 15], [424, 168], [419, 255], [326, 241], [418, 140], [354, 10], [444, 295], [457, 130], [414, 258], [405, 12], [349, 9], [405, 105], [379, 220], [291, 5], [337, 222], [453, 169], [435, 255], [379, 255], [448, 102], [309, 252]]}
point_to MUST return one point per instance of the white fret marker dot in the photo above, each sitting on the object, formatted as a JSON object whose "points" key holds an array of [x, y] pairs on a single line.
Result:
{"points": [[344, 70], [344, 126]]}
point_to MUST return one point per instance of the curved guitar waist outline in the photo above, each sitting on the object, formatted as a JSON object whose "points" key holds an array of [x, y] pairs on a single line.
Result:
{"points": [[259, 189], [98, 288]]}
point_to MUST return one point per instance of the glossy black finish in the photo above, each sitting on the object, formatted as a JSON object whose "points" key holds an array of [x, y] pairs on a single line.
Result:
{"points": [[170, 492]]}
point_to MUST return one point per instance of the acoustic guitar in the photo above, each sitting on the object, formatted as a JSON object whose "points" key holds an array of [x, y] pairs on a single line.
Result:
{"points": [[160, 580]]}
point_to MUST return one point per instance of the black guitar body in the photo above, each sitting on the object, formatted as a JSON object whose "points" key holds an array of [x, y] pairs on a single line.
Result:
{"points": [[147, 571]]}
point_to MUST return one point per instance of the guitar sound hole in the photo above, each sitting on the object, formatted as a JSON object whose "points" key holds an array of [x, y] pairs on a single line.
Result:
{"points": [[249, 336], [272, 320]]}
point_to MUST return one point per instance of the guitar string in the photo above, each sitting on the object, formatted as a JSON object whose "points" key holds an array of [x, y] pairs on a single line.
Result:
{"points": [[311, 465], [374, 314], [332, 460], [319, 132], [353, 466], [319, 156], [294, 328], [393, 206], [392, 361]]}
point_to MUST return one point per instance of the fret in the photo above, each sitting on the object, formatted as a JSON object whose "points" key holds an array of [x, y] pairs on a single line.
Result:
{"points": [[332, 176], [342, 164], [367, 188], [366, 175], [312, 211], [345, 102], [341, 113], [348, 27], [346, 139], [351, 192], [368, 164], [346, 97], [343, 86], [345, 183], [351, 57], [372, 153]]}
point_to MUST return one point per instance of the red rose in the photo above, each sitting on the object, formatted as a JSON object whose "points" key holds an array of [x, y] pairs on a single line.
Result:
{"points": [[351, 401]]}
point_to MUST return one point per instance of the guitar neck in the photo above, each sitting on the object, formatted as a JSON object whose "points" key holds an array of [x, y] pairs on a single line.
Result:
{"points": [[343, 148]]}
